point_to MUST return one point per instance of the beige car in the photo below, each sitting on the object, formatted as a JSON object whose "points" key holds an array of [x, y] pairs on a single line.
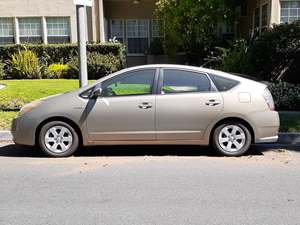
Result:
{"points": [[155, 105]]}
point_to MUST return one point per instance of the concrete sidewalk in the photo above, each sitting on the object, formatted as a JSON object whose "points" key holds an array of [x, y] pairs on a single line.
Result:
{"points": [[284, 138]]}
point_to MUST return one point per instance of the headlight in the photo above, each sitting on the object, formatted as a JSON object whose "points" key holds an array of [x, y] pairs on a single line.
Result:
{"points": [[28, 107]]}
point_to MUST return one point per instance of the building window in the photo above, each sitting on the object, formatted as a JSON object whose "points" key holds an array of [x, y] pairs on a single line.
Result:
{"points": [[156, 27], [290, 11], [58, 30], [137, 36], [117, 29], [6, 31], [264, 15], [30, 30]]}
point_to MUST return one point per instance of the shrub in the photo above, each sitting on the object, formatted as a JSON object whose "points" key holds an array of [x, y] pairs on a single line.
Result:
{"points": [[98, 65], [64, 53], [25, 65], [273, 56], [57, 70], [2, 70], [276, 53], [236, 59], [286, 96]]}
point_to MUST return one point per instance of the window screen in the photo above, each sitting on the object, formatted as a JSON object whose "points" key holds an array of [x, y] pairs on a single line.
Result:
{"points": [[58, 30], [6, 31], [30, 30]]}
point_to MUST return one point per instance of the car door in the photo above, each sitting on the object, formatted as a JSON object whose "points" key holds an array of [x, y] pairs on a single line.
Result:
{"points": [[126, 109], [186, 105]]}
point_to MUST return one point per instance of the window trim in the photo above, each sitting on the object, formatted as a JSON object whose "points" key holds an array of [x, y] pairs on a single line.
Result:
{"points": [[279, 10], [125, 74], [31, 36], [59, 17], [212, 87]]}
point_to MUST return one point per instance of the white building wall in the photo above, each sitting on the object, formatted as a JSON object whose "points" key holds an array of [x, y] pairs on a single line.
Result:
{"points": [[41, 8]]}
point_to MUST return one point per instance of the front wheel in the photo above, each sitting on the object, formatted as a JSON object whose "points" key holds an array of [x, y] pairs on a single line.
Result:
{"points": [[58, 139], [231, 139]]}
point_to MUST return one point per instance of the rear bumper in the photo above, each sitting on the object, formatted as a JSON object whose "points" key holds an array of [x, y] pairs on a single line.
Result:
{"points": [[266, 126]]}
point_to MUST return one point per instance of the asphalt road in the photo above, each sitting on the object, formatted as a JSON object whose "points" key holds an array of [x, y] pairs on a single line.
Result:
{"points": [[150, 185]]}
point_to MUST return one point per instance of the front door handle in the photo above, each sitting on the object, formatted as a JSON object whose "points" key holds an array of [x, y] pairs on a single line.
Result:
{"points": [[212, 102], [145, 105]]}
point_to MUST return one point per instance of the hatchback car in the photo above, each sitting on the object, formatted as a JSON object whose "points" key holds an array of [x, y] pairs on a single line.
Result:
{"points": [[153, 104]]}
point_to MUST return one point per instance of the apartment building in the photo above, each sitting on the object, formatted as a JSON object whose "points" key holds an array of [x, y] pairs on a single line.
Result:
{"points": [[257, 15], [131, 22]]}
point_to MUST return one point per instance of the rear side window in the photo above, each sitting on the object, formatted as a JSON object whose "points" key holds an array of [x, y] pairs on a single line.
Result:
{"points": [[223, 84], [179, 81]]}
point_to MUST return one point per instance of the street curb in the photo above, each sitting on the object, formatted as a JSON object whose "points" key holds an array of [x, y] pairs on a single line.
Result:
{"points": [[289, 138], [284, 138]]}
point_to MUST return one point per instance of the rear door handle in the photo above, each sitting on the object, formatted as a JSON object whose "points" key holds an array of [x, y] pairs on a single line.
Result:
{"points": [[212, 102], [145, 105]]}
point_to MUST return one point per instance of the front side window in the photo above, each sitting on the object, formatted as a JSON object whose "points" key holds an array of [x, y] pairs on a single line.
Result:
{"points": [[117, 29], [30, 30], [290, 11], [137, 36], [179, 81], [58, 30], [133, 83], [6, 31]]}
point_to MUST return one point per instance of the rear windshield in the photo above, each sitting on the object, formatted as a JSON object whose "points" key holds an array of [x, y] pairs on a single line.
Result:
{"points": [[222, 83]]}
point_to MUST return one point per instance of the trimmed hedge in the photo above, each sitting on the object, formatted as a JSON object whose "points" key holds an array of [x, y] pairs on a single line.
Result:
{"points": [[286, 96], [62, 53], [108, 58]]}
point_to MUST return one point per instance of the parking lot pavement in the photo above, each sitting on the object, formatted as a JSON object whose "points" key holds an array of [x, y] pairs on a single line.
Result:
{"points": [[150, 185]]}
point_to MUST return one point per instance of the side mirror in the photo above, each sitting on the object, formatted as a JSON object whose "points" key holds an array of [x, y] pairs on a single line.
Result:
{"points": [[97, 92]]}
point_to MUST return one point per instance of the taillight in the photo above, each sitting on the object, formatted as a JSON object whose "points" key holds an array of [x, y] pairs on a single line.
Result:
{"points": [[269, 99]]}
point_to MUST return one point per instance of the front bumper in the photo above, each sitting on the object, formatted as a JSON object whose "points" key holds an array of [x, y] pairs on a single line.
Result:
{"points": [[22, 132]]}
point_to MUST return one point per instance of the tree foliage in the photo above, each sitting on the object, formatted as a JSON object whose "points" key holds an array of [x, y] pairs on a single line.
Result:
{"points": [[190, 25]]}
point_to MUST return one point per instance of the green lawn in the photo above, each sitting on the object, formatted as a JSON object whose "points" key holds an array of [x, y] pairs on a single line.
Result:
{"points": [[6, 118], [19, 92]]}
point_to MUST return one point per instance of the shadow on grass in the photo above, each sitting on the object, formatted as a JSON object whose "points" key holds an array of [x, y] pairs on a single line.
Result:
{"points": [[117, 151]]}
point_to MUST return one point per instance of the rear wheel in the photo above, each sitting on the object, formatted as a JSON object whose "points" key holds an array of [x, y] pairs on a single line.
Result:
{"points": [[231, 139], [58, 139]]}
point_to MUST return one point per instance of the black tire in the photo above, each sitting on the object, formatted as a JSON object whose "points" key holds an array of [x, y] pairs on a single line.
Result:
{"points": [[73, 145], [217, 146]]}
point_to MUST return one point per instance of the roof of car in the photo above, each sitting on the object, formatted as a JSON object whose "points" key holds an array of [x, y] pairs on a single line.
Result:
{"points": [[200, 69]]}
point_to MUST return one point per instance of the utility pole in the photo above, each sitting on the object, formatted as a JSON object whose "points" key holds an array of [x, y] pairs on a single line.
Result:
{"points": [[81, 34]]}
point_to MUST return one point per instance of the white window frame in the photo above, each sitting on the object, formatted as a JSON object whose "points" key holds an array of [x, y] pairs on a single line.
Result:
{"points": [[7, 24], [298, 10], [68, 23], [147, 36], [152, 23], [28, 18], [123, 29], [260, 6]]}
